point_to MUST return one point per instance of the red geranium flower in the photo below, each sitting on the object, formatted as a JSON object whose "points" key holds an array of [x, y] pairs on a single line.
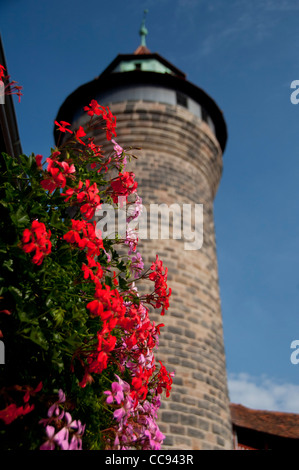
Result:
{"points": [[57, 173], [62, 126], [37, 239], [123, 185], [80, 133]]}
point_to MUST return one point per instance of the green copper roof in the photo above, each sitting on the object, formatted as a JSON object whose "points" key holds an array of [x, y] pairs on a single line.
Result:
{"points": [[145, 65]]}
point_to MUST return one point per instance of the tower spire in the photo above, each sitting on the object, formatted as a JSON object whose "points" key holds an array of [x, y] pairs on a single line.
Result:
{"points": [[143, 32]]}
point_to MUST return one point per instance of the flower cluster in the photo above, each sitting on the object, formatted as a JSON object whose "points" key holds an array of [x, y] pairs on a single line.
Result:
{"points": [[95, 109], [137, 426], [86, 196], [135, 405], [58, 171], [12, 411], [81, 322], [37, 239], [160, 296], [62, 432], [123, 185], [10, 86], [137, 265]]}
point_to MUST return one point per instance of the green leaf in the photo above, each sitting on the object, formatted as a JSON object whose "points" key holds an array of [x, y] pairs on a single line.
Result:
{"points": [[37, 337], [25, 318], [20, 217], [30, 161], [8, 264], [122, 283], [58, 315], [17, 294], [4, 203]]}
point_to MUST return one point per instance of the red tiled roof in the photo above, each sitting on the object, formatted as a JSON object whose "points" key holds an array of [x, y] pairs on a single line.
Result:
{"points": [[270, 422]]}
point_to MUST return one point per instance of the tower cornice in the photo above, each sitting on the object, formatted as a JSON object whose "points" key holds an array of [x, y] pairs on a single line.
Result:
{"points": [[109, 80]]}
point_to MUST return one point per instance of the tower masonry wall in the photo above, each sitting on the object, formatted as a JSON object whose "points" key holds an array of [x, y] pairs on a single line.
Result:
{"points": [[180, 162]]}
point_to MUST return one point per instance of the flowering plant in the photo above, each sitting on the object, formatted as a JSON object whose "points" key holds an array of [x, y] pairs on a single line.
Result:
{"points": [[80, 371]]}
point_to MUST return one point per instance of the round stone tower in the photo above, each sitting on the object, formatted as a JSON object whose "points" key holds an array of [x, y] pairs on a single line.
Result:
{"points": [[182, 136]]}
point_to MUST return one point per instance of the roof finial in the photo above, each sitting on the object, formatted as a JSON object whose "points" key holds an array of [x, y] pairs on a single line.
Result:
{"points": [[143, 31]]}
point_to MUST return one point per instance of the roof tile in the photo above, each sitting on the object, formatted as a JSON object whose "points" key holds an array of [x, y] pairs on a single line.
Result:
{"points": [[271, 422]]}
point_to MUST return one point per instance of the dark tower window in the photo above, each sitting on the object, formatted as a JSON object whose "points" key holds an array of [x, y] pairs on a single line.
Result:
{"points": [[181, 99], [204, 115], [137, 66]]}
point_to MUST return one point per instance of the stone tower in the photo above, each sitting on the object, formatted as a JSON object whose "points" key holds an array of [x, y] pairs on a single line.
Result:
{"points": [[182, 136]]}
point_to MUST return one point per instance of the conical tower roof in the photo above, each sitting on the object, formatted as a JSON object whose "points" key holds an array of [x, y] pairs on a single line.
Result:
{"points": [[142, 68]]}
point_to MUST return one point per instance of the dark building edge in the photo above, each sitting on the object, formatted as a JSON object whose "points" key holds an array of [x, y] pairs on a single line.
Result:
{"points": [[9, 134]]}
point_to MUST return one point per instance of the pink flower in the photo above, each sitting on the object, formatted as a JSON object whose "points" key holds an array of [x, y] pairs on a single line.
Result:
{"points": [[137, 265], [116, 394], [50, 443], [65, 425], [118, 150], [54, 409]]}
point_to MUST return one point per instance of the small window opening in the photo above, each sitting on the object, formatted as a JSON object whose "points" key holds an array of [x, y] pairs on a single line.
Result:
{"points": [[204, 115], [181, 99]]}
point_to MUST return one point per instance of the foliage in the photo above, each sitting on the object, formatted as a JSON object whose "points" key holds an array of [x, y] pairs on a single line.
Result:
{"points": [[79, 365]]}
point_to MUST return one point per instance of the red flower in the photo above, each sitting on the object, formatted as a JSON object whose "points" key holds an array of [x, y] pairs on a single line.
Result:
{"points": [[111, 124], [105, 113], [84, 235], [96, 150], [160, 297], [87, 379], [164, 380], [62, 126], [7, 312], [123, 185], [140, 383], [93, 108], [73, 236], [89, 273], [30, 391], [37, 239], [98, 360], [11, 88], [80, 133], [107, 304], [2, 71], [57, 173], [12, 412], [88, 195], [38, 159]]}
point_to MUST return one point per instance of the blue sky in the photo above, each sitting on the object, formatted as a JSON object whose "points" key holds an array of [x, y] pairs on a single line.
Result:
{"points": [[245, 55]]}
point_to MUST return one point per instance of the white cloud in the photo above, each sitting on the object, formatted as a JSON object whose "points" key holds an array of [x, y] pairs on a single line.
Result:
{"points": [[263, 393], [282, 5], [244, 25]]}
